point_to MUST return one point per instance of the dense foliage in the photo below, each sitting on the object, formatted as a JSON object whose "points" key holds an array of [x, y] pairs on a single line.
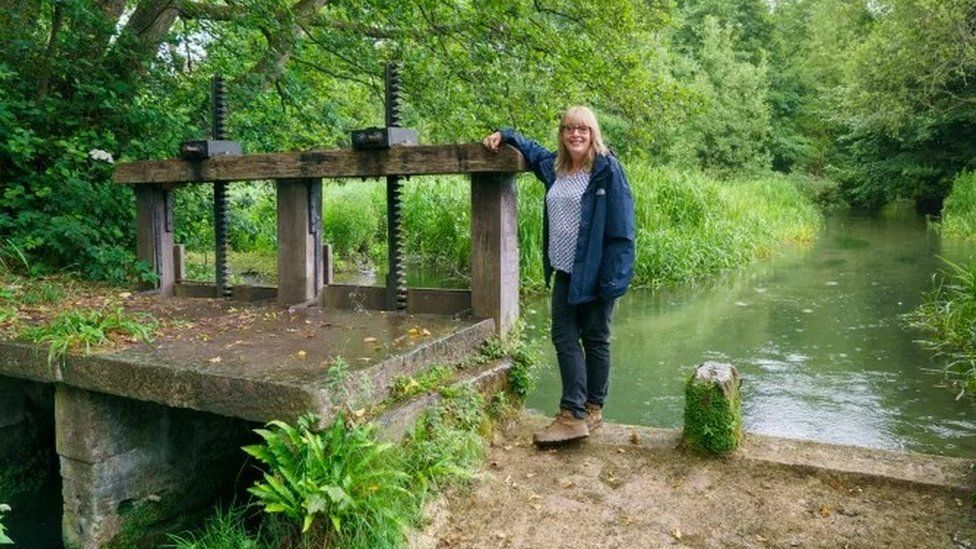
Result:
{"points": [[959, 213], [876, 95]]}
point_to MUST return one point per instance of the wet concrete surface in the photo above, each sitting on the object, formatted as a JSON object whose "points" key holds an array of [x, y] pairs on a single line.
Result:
{"points": [[258, 361]]}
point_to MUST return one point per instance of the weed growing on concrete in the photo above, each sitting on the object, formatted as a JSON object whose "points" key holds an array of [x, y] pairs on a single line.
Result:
{"points": [[4, 538], [343, 487], [446, 443], [407, 386], [88, 328], [336, 374], [525, 358]]}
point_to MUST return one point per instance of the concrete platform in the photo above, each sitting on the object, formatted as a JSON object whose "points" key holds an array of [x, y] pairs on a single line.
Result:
{"points": [[258, 362], [147, 431]]}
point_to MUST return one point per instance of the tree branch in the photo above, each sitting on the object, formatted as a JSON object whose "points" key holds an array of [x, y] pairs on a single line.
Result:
{"points": [[44, 73]]}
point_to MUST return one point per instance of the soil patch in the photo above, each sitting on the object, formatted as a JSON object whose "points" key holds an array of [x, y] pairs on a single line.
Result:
{"points": [[620, 491]]}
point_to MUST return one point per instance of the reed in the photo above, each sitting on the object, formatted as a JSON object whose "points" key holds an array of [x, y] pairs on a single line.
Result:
{"points": [[947, 316]]}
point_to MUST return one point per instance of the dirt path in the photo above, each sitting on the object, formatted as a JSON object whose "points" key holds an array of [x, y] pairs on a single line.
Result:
{"points": [[619, 490]]}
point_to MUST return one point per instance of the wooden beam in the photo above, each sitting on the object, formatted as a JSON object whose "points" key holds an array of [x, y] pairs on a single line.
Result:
{"points": [[299, 240], [419, 160], [494, 249]]}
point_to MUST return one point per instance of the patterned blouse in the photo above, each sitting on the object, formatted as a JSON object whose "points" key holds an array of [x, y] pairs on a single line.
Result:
{"points": [[563, 203]]}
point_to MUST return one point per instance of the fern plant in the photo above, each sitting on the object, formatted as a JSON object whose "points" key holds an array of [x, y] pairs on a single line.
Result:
{"points": [[339, 484]]}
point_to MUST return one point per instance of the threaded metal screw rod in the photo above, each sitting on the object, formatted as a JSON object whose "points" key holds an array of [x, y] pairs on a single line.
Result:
{"points": [[396, 278], [220, 206]]}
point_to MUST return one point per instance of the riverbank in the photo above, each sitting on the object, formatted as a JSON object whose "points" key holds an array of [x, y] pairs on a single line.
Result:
{"points": [[629, 486]]}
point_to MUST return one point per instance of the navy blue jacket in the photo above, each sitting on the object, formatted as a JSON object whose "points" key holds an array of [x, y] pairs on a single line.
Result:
{"points": [[604, 261]]}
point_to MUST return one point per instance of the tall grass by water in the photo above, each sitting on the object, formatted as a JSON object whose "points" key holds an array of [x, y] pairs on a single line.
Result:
{"points": [[959, 209], [689, 225], [948, 317]]}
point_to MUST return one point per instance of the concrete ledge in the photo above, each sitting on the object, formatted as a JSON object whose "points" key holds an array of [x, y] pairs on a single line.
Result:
{"points": [[487, 379], [947, 473], [250, 385], [445, 350], [25, 361]]}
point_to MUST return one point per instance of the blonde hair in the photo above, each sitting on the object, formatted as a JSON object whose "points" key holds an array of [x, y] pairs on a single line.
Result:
{"points": [[579, 115]]}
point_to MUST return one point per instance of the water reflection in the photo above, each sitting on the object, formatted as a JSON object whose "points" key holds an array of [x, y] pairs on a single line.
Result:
{"points": [[817, 334]]}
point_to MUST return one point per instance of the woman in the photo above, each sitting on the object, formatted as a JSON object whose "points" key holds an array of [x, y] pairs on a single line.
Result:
{"points": [[588, 243]]}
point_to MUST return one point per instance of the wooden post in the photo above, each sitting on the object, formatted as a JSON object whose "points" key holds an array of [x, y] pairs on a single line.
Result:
{"points": [[179, 262], [327, 264], [300, 274], [494, 249], [154, 233]]}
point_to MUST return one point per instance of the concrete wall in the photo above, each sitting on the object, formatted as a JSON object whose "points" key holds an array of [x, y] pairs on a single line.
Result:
{"points": [[129, 466]]}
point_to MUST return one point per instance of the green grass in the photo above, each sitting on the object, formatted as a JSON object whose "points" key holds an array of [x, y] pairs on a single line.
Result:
{"points": [[959, 209], [947, 316], [404, 386], [87, 328], [225, 529], [690, 225]]}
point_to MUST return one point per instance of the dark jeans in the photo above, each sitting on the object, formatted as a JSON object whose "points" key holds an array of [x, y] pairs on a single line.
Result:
{"points": [[585, 371]]}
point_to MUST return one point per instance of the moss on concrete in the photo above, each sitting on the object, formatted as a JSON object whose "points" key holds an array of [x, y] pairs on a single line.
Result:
{"points": [[713, 413]]}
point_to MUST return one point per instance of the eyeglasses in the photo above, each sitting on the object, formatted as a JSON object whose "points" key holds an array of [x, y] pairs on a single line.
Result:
{"points": [[574, 129]]}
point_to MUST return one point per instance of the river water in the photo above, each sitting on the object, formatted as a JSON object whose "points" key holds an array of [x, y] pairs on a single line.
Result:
{"points": [[817, 333]]}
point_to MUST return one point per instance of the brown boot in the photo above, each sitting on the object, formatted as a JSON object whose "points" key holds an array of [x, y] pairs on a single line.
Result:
{"points": [[594, 415], [563, 429]]}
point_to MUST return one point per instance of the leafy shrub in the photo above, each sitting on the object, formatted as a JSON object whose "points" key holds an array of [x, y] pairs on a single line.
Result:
{"points": [[959, 210], [339, 484], [353, 216]]}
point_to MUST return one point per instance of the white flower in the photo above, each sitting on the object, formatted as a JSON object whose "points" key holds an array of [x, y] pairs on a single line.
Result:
{"points": [[99, 154]]}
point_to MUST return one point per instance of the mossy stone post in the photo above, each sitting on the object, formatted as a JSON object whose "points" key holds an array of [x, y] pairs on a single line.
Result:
{"points": [[713, 411]]}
